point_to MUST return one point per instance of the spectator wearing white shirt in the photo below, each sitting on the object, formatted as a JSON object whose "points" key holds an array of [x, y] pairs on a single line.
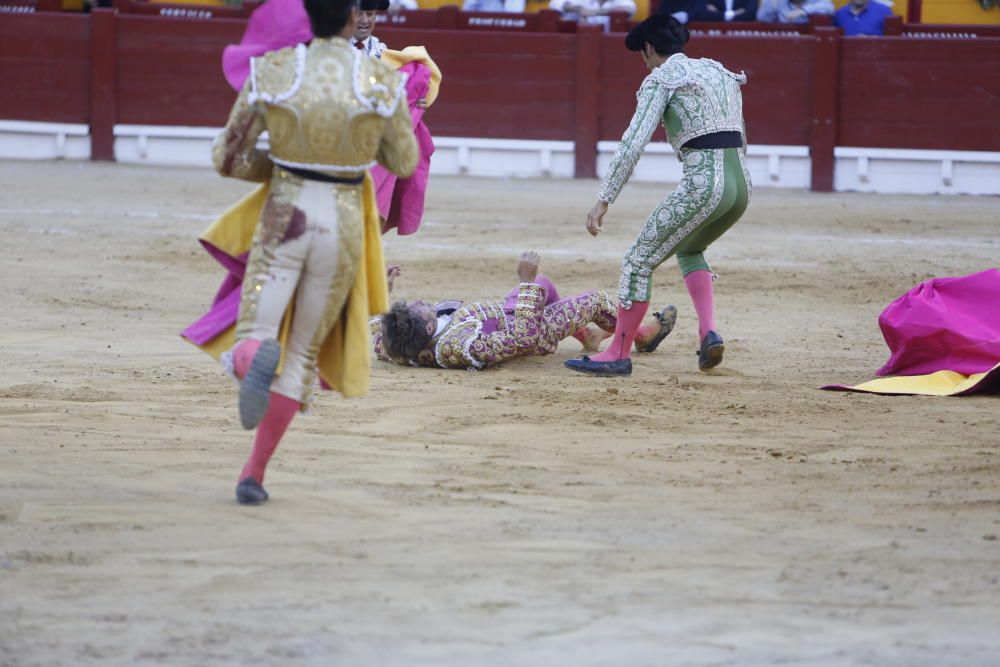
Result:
{"points": [[585, 10], [793, 11], [681, 10], [510, 6], [726, 10], [397, 5], [363, 39]]}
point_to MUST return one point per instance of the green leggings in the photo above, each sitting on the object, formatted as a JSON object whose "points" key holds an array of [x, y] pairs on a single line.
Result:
{"points": [[711, 197]]}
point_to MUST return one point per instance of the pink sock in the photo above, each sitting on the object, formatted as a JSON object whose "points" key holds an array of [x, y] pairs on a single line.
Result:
{"points": [[279, 415], [243, 355], [699, 286], [625, 330], [647, 330]]}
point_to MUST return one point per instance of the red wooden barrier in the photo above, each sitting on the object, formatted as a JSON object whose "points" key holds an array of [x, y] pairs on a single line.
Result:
{"points": [[823, 134], [932, 94], [917, 30], [430, 19], [29, 6], [45, 67], [745, 28], [103, 110], [169, 71], [450, 17], [586, 121], [776, 98], [499, 85], [818, 89], [168, 10]]}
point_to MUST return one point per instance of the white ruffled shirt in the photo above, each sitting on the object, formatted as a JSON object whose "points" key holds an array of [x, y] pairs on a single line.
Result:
{"points": [[371, 45]]}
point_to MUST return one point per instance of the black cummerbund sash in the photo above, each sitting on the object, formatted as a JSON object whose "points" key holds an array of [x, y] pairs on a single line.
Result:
{"points": [[310, 175], [717, 140]]}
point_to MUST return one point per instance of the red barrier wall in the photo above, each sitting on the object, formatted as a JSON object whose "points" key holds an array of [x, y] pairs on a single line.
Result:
{"points": [[816, 89], [932, 94], [169, 71], [498, 85], [776, 98], [45, 67]]}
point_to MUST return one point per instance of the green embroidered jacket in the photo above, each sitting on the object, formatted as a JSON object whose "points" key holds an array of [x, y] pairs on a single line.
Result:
{"points": [[692, 97]]}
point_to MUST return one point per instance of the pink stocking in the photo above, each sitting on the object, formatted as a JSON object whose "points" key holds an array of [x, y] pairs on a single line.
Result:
{"points": [[625, 330], [243, 355], [279, 415], [699, 286]]}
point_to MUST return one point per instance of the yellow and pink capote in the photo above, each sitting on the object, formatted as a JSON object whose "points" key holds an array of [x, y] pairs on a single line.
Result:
{"points": [[344, 361]]}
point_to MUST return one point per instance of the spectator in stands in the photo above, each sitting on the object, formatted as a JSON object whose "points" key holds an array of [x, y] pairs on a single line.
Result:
{"points": [[586, 10], [397, 5], [681, 10], [862, 17], [726, 10], [793, 11], [363, 39], [510, 6]]}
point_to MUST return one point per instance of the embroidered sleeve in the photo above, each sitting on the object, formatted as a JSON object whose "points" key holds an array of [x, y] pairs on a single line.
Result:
{"points": [[652, 102], [516, 340], [235, 151], [398, 151]]}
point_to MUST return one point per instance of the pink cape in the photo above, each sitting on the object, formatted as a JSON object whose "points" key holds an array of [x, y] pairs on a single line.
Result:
{"points": [[944, 324], [274, 25], [943, 337], [401, 200]]}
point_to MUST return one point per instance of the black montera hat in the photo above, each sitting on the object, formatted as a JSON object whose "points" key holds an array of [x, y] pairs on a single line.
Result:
{"points": [[376, 5], [665, 33]]}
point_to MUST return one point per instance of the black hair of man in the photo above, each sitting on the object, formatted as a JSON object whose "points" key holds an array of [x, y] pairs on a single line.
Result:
{"points": [[664, 33], [403, 333], [328, 17]]}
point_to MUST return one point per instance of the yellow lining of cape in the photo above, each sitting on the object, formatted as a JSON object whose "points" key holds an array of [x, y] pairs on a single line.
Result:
{"points": [[345, 356], [941, 383], [397, 59]]}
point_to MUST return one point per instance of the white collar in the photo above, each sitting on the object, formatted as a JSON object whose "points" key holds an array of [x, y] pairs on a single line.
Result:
{"points": [[443, 322]]}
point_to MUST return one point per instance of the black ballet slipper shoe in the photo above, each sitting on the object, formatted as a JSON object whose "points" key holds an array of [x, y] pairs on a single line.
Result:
{"points": [[710, 354], [250, 492], [667, 318], [255, 389], [600, 368]]}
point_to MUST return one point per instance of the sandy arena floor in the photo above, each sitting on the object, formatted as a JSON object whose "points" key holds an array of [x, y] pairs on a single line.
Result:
{"points": [[495, 518]]}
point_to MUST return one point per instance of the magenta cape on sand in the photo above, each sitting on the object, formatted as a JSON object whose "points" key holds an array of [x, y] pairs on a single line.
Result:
{"points": [[944, 330], [401, 200], [944, 324], [226, 304]]}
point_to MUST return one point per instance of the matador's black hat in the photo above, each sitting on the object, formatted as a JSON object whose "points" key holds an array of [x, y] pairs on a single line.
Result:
{"points": [[665, 33], [373, 5]]}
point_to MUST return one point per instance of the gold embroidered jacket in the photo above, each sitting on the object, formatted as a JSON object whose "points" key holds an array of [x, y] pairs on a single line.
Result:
{"points": [[326, 107]]}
